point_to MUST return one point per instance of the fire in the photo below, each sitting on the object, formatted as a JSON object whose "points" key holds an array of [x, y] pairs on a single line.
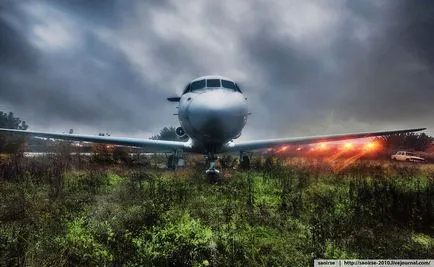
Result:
{"points": [[322, 146], [348, 146], [371, 146], [283, 148]]}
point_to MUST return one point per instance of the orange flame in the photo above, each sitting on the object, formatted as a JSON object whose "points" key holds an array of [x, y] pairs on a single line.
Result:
{"points": [[322, 146], [348, 146]]}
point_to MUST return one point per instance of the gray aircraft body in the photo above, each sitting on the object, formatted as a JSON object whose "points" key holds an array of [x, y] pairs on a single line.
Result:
{"points": [[212, 112]]}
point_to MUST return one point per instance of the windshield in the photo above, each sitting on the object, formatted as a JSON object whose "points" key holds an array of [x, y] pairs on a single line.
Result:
{"points": [[197, 85], [213, 83], [187, 89], [237, 88], [229, 85]]}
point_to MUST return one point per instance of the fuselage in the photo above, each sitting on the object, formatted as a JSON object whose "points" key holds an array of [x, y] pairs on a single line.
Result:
{"points": [[212, 112]]}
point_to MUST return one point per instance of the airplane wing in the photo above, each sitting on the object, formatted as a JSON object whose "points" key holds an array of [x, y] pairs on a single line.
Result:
{"points": [[151, 145], [261, 144]]}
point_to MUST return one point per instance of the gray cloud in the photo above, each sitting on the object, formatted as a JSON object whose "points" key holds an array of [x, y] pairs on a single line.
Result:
{"points": [[15, 50], [306, 66]]}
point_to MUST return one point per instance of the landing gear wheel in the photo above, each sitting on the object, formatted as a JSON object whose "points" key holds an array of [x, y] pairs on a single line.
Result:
{"points": [[213, 176], [212, 173]]}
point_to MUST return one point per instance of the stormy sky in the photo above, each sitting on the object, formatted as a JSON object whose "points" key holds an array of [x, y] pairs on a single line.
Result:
{"points": [[307, 67]]}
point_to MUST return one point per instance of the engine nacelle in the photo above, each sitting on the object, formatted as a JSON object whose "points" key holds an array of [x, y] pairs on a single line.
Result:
{"points": [[180, 132]]}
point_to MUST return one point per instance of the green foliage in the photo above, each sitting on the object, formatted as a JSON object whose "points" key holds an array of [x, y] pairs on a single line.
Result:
{"points": [[11, 250], [410, 141], [185, 241], [9, 121], [168, 134], [140, 217], [83, 248], [11, 143]]}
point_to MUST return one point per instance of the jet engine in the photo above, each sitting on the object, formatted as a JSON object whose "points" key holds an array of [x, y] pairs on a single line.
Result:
{"points": [[180, 132]]}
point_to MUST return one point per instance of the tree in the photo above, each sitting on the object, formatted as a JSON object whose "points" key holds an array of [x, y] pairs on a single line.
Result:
{"points": [[409, 141], [168, 134], [11, 143]]}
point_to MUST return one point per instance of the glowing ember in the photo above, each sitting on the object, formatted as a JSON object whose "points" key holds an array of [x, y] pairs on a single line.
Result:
{"points": [[348, 146], [322, 146], [283, 148], [371, 146]]}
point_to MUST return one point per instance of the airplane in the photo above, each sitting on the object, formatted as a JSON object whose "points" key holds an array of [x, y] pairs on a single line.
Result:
{"points": [[212, 113]]}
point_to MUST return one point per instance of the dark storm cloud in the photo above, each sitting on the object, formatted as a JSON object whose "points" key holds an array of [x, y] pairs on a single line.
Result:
{"points": [[92, 85], [307, 68], [393, 81], [15, 50], [283, 64], [414, 28], [97, 88], [381, 82]]}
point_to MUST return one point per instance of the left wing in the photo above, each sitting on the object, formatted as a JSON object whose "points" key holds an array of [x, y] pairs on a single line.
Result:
{"points": [[151, 145], [260, 144]]}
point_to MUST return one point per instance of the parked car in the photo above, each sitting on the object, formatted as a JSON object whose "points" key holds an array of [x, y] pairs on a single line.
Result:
{"points": [[406, 156]]}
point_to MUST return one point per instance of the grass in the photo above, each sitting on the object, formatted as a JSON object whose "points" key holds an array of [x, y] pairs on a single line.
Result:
{"points": [[58, 212]]}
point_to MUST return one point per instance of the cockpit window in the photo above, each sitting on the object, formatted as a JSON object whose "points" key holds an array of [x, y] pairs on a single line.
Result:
{"points": [[237, 88], [228, 84], [213, 83], [187, 89], [197, 85]]}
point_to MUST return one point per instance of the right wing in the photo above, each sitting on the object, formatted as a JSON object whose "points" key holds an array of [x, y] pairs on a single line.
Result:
{"points": [[151, 145], [268, 143]]}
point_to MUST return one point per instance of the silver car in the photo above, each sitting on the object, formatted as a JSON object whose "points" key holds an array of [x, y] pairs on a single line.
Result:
{"points": [[406, 156]]}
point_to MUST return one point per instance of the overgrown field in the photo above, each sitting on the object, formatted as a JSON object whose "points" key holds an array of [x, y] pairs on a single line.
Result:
{"points": [[56, 212]]}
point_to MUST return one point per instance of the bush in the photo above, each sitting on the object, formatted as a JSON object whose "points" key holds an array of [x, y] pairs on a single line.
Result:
{"points": [[184, 242]]}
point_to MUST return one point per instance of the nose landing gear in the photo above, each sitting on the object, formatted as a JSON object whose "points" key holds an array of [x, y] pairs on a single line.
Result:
{"points": [[213, 174]]}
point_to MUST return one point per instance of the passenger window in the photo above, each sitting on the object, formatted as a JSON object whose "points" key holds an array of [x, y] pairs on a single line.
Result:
{"points": [[213, 83], [229, 85], [197, 85]]}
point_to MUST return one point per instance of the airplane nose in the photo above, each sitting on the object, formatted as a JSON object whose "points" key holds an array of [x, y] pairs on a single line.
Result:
{"points": [[217, 114]]}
